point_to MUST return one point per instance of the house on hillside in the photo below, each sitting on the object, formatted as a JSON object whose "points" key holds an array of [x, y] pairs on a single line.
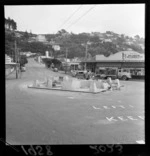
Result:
{"points": [[17, 34], [32, 39], [8, 59], [109, 35], [41, 38], [95, 34], [106, 40]]}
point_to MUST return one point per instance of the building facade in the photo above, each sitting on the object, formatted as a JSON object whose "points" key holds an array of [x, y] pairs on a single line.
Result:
{"points": [[128, 60]]}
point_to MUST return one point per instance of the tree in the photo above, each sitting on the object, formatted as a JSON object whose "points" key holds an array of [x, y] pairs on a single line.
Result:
{"points": [[137, 37], [6, 23], [62, 32], [14, 25], [26, 36], [10, 24], [49, 61], [94, 39], [9, 43], [23, 60]]}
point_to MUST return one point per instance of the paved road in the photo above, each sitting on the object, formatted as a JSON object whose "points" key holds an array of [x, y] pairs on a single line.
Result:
{"points": [[56, 117]]}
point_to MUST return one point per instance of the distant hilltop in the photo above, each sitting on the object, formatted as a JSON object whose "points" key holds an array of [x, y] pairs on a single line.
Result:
{"points": [[108, 36], [77, 45]]}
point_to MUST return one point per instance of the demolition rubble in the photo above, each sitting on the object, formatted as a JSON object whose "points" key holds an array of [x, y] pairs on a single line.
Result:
{"points": [[76, 85]]}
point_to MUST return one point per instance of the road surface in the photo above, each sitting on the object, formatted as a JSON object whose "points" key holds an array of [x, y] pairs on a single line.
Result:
{"points": [[35, 116]]}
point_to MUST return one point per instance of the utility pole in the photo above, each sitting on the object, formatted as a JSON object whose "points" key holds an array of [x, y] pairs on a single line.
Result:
{"points": [[66, 60], [18, 55], [15, 53], [66, 54], [16, 60], [86, 51]]}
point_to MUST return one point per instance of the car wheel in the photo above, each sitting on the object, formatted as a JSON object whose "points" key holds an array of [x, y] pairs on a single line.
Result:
{"points": [[124, 77]]}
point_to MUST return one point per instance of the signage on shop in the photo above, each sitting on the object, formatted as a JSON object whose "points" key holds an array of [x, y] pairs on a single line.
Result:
{"points": [[132, 57]]}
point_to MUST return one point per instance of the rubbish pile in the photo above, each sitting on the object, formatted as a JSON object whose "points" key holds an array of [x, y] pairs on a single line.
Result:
{"points": [[72, 84]]}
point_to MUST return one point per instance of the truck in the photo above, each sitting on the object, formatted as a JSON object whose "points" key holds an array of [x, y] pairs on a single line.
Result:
{"points": [[114, 73]]}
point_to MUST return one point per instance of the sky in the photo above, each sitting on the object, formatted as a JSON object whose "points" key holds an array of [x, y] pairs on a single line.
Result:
{"points": [[128, 19]]}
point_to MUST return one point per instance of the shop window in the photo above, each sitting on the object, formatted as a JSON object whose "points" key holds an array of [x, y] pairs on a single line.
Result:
{"points": [[140, 72], [101, 71], [112, 72], [137, 72]]}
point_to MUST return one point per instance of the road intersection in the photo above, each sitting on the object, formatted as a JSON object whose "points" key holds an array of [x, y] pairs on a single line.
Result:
{"points": [[57, 117]]}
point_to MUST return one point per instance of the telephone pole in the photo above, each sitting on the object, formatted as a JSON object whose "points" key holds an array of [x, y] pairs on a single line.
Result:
{"points": [[15, 53], [66, 54], [16, 57], [66, 60], [86, 51], [16, 60]]}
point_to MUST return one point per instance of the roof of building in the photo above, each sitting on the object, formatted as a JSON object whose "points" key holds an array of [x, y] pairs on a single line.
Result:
{"points": [[119, 57]]}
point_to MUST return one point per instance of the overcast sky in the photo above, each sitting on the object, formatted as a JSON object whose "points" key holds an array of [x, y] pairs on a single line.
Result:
{"points": [[128, 19]]}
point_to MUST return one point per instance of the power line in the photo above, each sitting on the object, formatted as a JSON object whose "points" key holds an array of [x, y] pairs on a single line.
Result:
{"points": [[81, 16], [70, 17]]}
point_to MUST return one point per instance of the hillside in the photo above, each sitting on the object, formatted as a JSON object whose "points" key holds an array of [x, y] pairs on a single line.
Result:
{"points": [[98, 43]]}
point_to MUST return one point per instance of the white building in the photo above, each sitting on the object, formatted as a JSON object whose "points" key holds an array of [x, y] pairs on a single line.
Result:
{"points": [[8, 59], [41, 38]]}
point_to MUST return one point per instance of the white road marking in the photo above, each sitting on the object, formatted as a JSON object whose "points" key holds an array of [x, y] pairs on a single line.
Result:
{"points": [[96, 107], [140, 141], [106, 107], [142, 117], [130, 117], [113, 106], [111, 119], [121, 118], [121, 106], [131, 106]]}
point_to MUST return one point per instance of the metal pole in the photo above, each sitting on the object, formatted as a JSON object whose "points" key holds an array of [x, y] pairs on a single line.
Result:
{"points": [[86, 50], [66, 60], [15, 52], [16, 60], [66, 54]]}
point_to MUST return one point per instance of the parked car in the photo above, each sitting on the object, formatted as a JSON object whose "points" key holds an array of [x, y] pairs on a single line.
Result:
{"points": [[23, 69], [55, 69], [80, 74]]}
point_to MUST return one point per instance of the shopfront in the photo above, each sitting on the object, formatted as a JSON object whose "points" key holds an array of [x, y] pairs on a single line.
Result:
{"points": [[127, 60]]}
